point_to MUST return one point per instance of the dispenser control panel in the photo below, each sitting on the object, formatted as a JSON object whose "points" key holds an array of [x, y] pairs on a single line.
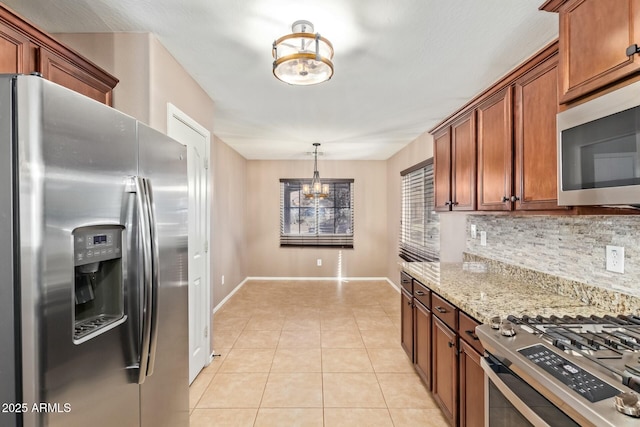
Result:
{"points": [[100, 243]]}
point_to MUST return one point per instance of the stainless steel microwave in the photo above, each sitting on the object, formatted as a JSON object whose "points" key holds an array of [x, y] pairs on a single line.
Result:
{"points": [[599, 150]]}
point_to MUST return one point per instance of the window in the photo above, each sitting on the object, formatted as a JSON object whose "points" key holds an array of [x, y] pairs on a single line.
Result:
{"points": [[316, 222], [419, 226]]}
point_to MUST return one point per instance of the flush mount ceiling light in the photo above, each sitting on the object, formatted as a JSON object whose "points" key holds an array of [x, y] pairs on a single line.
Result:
{"points": [[302, 58], [316, 189]]}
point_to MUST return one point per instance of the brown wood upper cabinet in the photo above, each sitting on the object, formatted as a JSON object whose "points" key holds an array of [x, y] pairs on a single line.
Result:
{"points": [[495, 151], [536, 154], [517, 152], [455, 165], [594, 37], [25, 49]]}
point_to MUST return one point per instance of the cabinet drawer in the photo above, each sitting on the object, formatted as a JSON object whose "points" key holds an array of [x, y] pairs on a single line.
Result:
{"points": [[467, 331], [422, 293], [446, 311], [407, 282]]}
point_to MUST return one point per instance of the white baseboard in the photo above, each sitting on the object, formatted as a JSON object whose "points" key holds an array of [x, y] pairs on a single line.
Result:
{"points": [[229, 295], [343, 279]]}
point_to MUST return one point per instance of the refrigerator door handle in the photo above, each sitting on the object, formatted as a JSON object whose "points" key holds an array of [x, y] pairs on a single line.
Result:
{"points": [[146, 276], [155, 260]]}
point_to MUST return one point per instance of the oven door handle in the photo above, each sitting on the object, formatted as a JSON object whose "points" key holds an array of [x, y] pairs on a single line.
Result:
{"points": [[491, 375]]}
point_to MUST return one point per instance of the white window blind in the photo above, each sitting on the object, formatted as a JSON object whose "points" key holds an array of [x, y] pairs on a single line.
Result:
{"points": [[324, 222], [420, 226]]}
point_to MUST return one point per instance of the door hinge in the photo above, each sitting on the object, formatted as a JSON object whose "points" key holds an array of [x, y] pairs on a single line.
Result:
{"points": [[206, 246], [206, 331], [206, 163]]}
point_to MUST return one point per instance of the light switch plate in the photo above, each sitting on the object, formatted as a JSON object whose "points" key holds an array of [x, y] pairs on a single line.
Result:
{"points": [[615, 258], [483, 238], [474, 231]]}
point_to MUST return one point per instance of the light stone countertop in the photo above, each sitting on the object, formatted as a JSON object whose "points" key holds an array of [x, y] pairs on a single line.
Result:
{"points": [[483, 293]]}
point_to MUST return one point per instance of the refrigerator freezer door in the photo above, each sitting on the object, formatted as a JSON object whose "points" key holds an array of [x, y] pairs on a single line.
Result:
{"points": [[8, 378], [165, 393], [75, 157]]}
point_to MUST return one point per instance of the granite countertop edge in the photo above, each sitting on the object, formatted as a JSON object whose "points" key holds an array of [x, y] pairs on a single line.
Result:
{"points": [[485, 288]]}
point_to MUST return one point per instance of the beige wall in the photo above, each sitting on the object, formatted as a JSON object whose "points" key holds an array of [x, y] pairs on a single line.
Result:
{"points": [[265, 257], [126, 56], [150, 78], [229, 242]]}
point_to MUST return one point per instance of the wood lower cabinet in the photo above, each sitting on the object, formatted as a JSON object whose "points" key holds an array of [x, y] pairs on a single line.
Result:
{"points": [[406, 314], [422, 342], [26, 49], [471, 374], [594, 37], [495, 152], [471, 387], [455, 165], [445, 369], [446, 353]]}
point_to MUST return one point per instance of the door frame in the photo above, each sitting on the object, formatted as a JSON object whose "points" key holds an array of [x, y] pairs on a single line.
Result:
{"points": [[175, 115]]}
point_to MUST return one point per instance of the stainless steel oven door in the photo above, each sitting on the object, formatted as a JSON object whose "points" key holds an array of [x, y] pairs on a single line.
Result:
{"points": [[511, 402]]}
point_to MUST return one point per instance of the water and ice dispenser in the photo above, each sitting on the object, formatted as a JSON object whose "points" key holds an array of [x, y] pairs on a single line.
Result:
{"points": [[98, 291]]}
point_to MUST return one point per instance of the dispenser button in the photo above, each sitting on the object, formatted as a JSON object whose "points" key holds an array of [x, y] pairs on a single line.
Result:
{"points": [[89, 254], [79, 256]]}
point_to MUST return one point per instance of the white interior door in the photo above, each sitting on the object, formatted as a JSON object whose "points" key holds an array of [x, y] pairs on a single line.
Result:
{"points": [[196, 139]]}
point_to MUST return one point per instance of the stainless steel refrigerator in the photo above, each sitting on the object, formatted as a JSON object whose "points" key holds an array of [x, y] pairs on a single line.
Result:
{"points": [[93, 264]]}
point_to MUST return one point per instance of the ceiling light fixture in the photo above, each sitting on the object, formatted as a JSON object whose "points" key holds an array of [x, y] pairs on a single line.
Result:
{"points": [[316, 189], [302, 58]]}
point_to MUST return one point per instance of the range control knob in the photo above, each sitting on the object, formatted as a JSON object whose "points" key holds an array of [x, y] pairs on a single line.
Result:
{"points": [[506, 329], [495, 322], [627, 403]]}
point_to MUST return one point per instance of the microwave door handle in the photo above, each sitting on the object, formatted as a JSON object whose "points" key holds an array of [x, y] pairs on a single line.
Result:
{"points": [[145, 278], [155, 264]]}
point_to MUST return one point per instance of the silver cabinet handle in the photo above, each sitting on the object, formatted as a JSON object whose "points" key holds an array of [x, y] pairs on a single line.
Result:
{"points": [[420, 293], [440, 309]]}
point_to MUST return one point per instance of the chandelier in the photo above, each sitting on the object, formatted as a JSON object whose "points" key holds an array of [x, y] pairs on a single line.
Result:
{"points": [[302, 58], [316, 189]]}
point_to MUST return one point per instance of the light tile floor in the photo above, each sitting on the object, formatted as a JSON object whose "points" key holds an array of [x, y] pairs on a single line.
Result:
{"points": [[311, 353]]}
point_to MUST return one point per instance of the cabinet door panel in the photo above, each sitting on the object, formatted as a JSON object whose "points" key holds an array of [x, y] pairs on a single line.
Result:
{"points": [[471, 387], [422, 345], [463, 158], [594, 35], [536, 154], [61, 71], [442, 169], [444, 369], [495, 144], [14, 52], [406, 334]]}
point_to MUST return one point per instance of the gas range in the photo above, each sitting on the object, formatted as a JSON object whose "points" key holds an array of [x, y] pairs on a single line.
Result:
{"points": [[588, 367]]}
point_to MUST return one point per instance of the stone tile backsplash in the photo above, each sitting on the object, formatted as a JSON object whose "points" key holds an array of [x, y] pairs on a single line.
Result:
{"points": [[570, 247]]}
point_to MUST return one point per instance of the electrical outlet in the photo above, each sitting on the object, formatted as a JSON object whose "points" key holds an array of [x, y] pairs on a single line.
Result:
{"points": [[615, 259], [474, 231], [222, 280], [483, 238], [319, 262]]}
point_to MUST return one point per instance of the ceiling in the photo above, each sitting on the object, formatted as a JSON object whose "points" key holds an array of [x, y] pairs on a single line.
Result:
{"points": [[401, 66]]}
